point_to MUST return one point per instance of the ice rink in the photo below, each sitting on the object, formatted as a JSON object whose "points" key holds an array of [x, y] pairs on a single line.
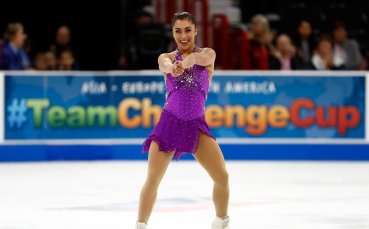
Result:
{"points": [[264, 195]]}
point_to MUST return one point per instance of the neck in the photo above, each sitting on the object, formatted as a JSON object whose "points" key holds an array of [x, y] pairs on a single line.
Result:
{"points": [[340, 43], [285, 55], [14, 45], [187, 51]]}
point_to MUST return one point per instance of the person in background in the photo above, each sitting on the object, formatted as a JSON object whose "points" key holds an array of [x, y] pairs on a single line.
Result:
{"points": [[147, 40], [39, 61], [51, 61], [62, 40], [304, 42], [260, 42], [346, 51], [129, 57], [13, 56], [323, 56], [260, 30], [365, 65], [283, 56], [66, 61]]}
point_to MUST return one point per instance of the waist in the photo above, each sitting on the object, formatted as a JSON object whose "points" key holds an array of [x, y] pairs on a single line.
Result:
{"points": [[181, 116], [185, 109]]}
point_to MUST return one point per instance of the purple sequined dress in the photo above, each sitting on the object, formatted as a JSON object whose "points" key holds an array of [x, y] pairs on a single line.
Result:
{"points": [[183, 114]]}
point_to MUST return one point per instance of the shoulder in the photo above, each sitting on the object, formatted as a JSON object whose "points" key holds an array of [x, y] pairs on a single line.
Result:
{"points": [[210, 54], [207, 50], [6, 49], [351, 43]]}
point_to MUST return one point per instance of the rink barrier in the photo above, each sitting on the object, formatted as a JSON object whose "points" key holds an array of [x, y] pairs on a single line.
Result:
{"points": [[95, 115], [320, 152]]}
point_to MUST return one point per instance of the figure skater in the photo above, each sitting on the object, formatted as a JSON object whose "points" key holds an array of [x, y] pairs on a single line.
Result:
{"points": [[182, 127]]}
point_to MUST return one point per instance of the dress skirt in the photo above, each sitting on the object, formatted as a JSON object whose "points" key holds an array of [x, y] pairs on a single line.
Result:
{"points": [[174, 134]]}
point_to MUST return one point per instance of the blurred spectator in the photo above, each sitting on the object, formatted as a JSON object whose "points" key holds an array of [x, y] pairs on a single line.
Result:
{"points": [[323, 56], [67, 61], [51, 61], [365, 65], [13, 56], [1, 50], [146, 43], [39, 62], [283, 56], [260, 42], [304, 41], [27, 46], [129, 58], [260, 30], [63, 41], [346, 51]]}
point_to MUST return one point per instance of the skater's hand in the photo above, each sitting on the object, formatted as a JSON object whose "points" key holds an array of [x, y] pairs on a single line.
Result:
{"points": [[177, 69], [190, 61]]}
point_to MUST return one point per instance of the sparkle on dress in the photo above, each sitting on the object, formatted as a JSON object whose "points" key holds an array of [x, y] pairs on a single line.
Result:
{"points": [[183, 114]]}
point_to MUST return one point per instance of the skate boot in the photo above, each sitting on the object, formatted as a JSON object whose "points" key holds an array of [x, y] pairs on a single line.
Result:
{"points": [[141, 225], [220, 223]]}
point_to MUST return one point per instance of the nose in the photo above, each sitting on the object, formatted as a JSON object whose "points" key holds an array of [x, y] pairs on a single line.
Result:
{"points": [[182, 36]]}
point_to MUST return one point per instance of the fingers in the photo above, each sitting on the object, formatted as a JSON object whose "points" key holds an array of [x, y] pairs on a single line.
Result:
{"points": [[178, 68]]}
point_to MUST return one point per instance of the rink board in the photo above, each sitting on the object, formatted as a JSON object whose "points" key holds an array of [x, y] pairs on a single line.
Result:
{"points": [[352, 152], [253, 115]]}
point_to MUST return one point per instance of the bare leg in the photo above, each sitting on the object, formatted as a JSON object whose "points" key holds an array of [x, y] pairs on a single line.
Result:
{"points": [[157, 165], [211, 158]]}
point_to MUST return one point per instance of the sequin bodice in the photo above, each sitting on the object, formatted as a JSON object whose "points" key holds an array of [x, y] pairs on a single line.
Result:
{"points": [[187, 93]]}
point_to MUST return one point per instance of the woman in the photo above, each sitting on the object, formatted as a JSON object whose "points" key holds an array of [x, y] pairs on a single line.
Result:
{"points": [[182, 127]]}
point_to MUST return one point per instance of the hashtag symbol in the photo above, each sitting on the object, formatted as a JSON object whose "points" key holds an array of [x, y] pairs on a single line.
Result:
{"points": [[17, 113]]}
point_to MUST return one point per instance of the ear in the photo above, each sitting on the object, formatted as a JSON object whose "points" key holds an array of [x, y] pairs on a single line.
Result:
{"points": [[195, 31]]}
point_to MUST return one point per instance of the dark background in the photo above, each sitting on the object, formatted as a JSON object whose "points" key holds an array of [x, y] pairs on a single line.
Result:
{"points": [[101, 28], [98, 27]]}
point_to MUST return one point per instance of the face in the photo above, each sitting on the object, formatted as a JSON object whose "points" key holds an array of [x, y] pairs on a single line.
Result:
{"points": [[340, 35], [50, 60], [325, 47], [284, 44], [66, 59], [257, 27], [63, 35], [305, 29], [40, 62], [184, 33], [19, 38]]}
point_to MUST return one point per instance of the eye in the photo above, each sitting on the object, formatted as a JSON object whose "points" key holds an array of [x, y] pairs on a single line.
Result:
{"points": [[188, 30]]}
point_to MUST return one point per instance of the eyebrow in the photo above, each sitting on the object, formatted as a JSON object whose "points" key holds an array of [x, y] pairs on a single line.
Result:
{"points": [[188, 27]]}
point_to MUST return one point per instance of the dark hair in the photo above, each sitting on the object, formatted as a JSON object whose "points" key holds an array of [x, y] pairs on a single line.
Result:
{"points": [[325, 37], [339, 25], [143, 13], [12, 29], [183, 16]]}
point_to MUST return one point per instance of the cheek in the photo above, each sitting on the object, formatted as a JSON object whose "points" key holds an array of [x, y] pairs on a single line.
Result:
{"points": [[176, 36], [192, 35]]}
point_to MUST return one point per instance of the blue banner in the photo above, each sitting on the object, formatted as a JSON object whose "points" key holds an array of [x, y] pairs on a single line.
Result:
{"points": [[109, 106]]}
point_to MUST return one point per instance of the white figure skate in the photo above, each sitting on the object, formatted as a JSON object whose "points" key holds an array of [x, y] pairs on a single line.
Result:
{"points": [[141, 225], [220, 223]]}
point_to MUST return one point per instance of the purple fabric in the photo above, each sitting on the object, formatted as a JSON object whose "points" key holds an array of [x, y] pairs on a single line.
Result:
{"points": [[183, 114]]}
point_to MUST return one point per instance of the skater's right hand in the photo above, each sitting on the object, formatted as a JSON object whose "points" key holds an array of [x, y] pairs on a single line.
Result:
{"points": [[177, 69]]}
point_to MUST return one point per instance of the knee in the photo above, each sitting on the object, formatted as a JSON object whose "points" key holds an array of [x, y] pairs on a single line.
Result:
{"points": [[223, 179]]}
